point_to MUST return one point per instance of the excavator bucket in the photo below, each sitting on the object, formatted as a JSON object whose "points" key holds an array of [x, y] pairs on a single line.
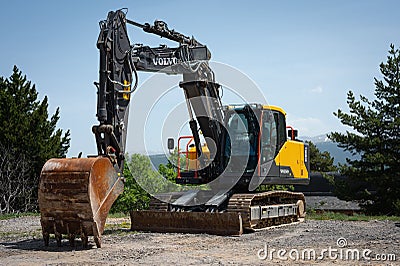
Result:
{"points": [[187, 222], [75, 196]]}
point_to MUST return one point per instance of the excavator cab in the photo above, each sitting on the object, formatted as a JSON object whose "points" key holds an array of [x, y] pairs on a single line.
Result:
{"points": [[257, 137]]}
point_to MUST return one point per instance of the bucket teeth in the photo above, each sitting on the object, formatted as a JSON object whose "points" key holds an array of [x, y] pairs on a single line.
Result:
{"points": [[84, 240], [97, 240], [46, 238], [71, 239], [58, 237]]}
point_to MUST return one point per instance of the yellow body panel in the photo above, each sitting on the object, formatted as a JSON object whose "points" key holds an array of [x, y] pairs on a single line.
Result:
{"points": [[193, 163], [292, 155]]}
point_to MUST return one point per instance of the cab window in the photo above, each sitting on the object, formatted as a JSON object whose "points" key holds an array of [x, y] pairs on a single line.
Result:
{"points": [[268, 137], [273, 134]]}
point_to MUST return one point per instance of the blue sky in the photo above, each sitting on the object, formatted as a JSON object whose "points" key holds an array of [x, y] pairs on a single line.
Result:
{"points": [[304, 55]]}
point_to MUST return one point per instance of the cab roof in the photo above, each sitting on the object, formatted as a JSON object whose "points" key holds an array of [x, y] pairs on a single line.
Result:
{"points": [[257, 106]]}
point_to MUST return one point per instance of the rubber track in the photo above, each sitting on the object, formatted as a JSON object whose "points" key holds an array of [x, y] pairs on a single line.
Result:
{"points": [[242, 202]]}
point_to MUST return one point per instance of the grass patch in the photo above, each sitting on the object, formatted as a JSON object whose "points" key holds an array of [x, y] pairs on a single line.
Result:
{"points": [[118, 215], [123, 225], [25, 214], [117, 229], [312, 215], [16, 234], [119, 226], [17, 215]]}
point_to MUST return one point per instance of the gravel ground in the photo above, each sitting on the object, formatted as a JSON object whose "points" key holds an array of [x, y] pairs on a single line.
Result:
{"points": [[21, 244], [330, 203]]}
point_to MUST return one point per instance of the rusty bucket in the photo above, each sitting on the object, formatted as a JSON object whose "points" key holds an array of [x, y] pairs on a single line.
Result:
{"points": [[75, 196]]}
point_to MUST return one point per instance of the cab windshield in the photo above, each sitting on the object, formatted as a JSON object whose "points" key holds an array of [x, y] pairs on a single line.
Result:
{"points": [[241, 143]]}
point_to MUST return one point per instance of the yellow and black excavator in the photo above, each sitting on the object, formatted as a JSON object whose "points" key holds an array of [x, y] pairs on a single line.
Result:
{"points": [[240, 147]]}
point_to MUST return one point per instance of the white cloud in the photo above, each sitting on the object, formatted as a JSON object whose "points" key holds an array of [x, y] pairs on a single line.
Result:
{"points": [[317, 90]]}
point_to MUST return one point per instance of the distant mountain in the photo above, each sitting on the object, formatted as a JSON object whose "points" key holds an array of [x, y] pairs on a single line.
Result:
{"points": [[316, 139], [337, 153], [157, 159], [323, 143]]}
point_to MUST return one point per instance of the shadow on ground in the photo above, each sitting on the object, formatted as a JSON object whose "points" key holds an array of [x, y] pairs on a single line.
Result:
{"points": [[38, 245]]}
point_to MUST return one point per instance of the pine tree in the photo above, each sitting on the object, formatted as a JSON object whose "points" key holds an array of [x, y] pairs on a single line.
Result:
{"points": [[320, 161], [374, 178], [26, 128]]}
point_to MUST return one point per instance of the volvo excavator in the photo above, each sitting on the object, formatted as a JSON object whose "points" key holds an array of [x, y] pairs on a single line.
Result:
{"points": [[232, 150]]}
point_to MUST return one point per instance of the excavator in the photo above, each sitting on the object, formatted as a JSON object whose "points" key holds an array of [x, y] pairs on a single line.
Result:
{"points": [[233, 150]]}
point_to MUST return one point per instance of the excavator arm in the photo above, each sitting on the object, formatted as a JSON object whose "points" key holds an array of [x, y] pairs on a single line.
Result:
{"points": [[114, 88]]}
